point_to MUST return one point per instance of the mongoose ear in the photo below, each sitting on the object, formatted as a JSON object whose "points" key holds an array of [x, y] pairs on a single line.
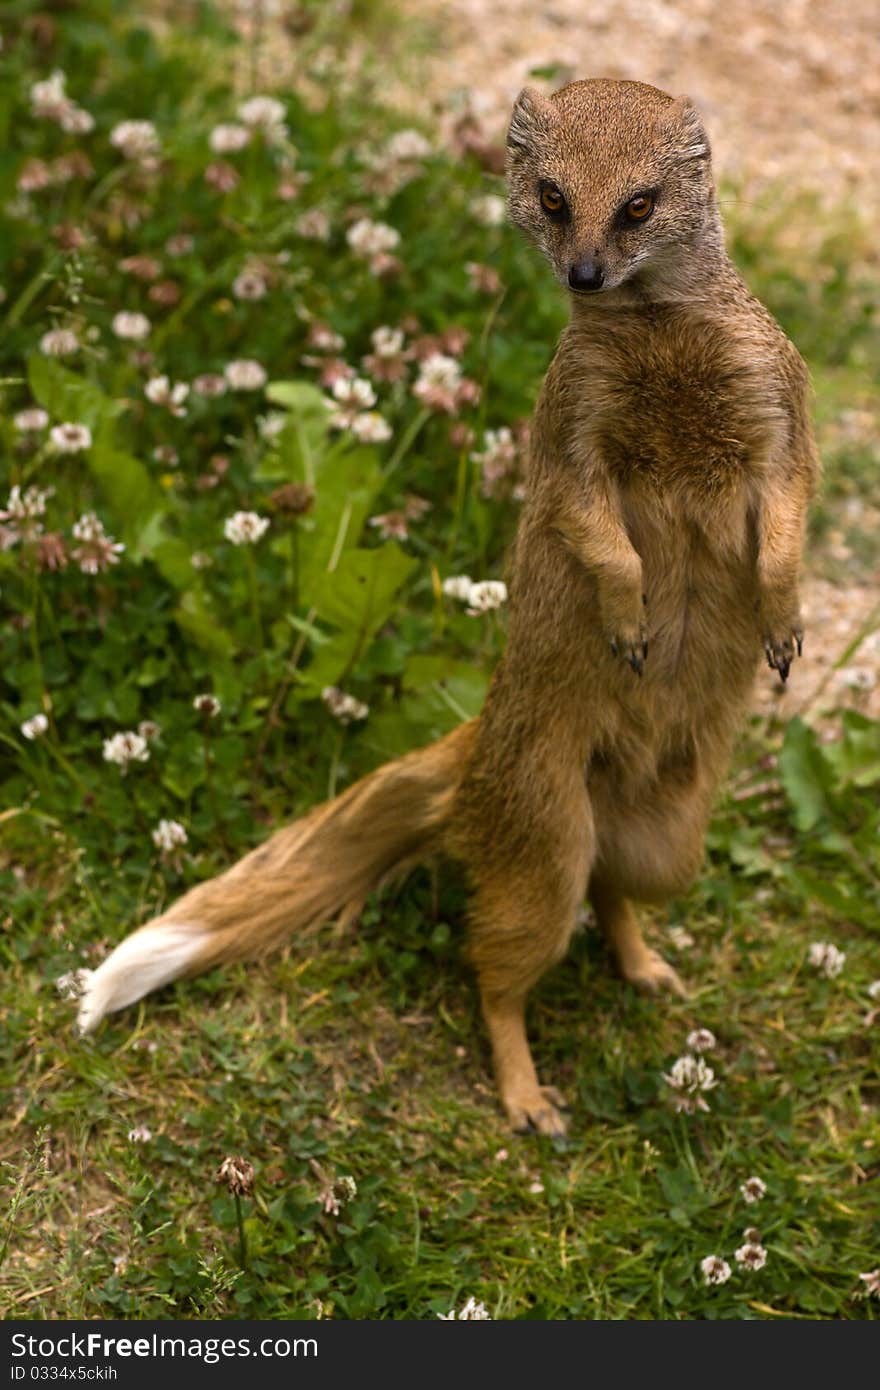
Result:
{"points": [[691, 124], [533, 117]]}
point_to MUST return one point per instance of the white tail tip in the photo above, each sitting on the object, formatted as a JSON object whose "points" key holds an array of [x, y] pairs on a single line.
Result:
{"points": [[144, 961]]}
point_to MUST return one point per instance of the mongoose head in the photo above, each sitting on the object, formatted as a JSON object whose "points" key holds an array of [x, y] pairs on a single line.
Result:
{"points": [[612, 181]]}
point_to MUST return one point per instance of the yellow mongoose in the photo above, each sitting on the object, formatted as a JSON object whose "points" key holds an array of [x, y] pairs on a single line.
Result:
{"points": [[656, 558]]}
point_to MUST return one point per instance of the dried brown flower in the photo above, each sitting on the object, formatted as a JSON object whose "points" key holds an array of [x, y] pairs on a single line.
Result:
{"points": [[237, 1174]]}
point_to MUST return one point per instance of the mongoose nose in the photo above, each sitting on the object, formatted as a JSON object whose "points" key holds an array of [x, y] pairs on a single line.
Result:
{"points": [[585, 276]]}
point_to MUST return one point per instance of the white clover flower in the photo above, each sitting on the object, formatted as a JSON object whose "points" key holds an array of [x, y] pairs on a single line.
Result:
{"points": [[343, 707], [75, 120], [59, 342], [265, 114], [149, 729], [35, 726], [35, 176], [169, 835], [208, 705], [354, 391], [160, 391], [261, 110], [486, 596], [126, 747], [180, 244], [140, 1135], [245, 528], [323, 338], [135, 139], [314, 225], [751, 1256], [210, 384], [367, 238], [132, 326], [387, 342], [438, 382], [680, 938], [271, 425], [491, 210], [245, 375], [337, 1194], [407, 145], [48, 95], [826, 958], [874, 990], [701, 1040], [226, 139], [753, 1189], [96, 550], [26, 506], [688, 1079], [249, 285], [70, 439], [391, 526], [715, 1270], [471, 1312], [458, 586], [871, 1281], [29, 421], [370, 428], [497, 459]]}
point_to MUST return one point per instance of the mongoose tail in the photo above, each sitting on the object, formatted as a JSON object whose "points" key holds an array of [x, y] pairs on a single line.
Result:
{"points": [[320, 867]]}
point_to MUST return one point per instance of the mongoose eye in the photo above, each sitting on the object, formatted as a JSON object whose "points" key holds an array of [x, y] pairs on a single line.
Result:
{"points": [[640, 207], [552, 200]]}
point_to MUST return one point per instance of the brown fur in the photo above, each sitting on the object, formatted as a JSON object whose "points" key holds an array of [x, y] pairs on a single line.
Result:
{"points": [[657, 553]]}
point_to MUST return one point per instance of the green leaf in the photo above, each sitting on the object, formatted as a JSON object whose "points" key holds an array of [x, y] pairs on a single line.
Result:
{"points": [[132, 496], [438, 695], [303, 442], [346, 482], [452, 685], [302, 397], [852, 906], [855, 757], [360, 592], [67, 396], [357, 598], [196, 618], [806, 775]]}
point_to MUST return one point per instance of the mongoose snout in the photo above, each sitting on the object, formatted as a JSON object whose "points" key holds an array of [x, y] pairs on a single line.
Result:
{"points": [[586, 276]]}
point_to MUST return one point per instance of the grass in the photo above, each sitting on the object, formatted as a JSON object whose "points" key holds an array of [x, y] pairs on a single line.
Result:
{"points": [[361, 1053]]}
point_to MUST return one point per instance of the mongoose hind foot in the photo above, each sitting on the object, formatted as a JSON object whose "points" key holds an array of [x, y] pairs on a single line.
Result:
{"points": [[536, 1110], [651, 974]]}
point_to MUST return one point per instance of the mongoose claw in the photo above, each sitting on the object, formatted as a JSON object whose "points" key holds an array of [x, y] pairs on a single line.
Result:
{"points": [[633, 652], [780, 652]]}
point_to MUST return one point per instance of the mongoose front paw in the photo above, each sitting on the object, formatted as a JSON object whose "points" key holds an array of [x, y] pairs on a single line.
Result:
{"points": [[780, 651], [632, 649]]}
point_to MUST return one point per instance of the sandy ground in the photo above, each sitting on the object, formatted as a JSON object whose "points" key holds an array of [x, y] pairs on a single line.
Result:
{"points": [[790, 89]]}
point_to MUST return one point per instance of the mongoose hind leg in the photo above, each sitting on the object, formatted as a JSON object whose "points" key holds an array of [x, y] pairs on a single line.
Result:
{"points": [[523, 914], [639, 964]]}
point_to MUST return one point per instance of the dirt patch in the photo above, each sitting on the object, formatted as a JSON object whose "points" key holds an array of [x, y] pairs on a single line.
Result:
{"points": [[790, 89]]}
